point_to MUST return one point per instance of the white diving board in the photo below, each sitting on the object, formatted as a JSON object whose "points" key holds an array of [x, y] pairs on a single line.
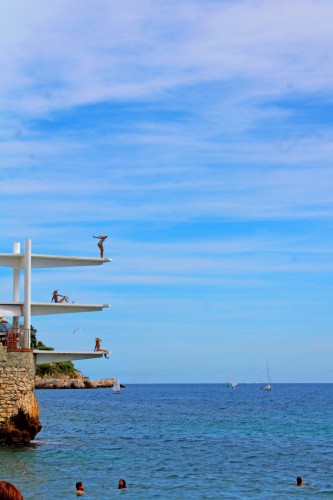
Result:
{"points": [[42, 356], [42, 308], [27, 261], [16, 261]]}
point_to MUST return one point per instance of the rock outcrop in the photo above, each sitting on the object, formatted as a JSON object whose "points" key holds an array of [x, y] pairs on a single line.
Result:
{"points": [[77, 382], [22, 426]]}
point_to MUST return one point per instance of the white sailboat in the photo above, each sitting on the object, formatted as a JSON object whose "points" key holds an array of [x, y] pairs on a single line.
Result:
{"points": [[116, 386], [268, 386]]}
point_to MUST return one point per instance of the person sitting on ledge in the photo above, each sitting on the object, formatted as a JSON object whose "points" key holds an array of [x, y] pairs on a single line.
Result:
{"points": [[98, 347], [56, 295]]}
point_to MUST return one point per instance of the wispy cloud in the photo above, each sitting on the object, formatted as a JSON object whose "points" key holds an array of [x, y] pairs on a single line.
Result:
{"points": [[74, 54], [198, 135]]}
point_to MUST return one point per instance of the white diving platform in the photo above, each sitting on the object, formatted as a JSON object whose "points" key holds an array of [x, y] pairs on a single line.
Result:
{"points": [[18, 338], [16, 261], [42, 357], [42, 308]]}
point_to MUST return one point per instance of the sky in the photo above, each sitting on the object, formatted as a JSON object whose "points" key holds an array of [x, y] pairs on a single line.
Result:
{"points": [[198, 136]]}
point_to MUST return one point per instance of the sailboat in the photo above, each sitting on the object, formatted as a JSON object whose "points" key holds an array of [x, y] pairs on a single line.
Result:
{"points": [[116, 386], [268, 386]]}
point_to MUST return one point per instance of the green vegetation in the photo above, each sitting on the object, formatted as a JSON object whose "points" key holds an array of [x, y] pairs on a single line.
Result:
{"points": [[56, 369]]}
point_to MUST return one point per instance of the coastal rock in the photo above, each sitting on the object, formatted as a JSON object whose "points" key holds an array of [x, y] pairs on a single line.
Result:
{"points": [[78, 382], [23, 426]]}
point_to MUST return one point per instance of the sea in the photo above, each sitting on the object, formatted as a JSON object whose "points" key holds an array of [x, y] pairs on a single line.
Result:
{"points": [[179, 441]]}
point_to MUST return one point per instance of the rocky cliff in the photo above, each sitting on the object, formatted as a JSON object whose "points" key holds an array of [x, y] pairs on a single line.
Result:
{"points": [[78, 381]]}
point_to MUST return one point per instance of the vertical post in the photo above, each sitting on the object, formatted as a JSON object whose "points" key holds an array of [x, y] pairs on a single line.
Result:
{"points": [[16, 285], [27, 293]]}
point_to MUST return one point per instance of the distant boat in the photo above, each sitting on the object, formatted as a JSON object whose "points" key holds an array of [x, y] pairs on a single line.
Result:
{"points": [[268, 386], [116, 387], [231, 384]]}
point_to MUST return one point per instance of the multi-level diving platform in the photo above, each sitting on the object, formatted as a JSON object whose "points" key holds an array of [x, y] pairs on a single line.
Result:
{"points": [[18, 337]]}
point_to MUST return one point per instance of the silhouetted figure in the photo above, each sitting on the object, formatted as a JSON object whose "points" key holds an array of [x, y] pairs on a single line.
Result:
{"points": [[100, 244]]}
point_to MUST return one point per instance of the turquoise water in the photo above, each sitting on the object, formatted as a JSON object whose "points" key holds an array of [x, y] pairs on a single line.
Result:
{"points": [[179, 442]]}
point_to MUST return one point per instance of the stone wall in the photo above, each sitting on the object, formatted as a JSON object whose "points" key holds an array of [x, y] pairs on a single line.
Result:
{"points": [[19, 409]]}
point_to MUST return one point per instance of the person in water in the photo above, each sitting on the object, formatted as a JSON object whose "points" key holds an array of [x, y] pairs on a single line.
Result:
{"points": [[9, 492], [299, 481], [79, 489], [122, 484]]}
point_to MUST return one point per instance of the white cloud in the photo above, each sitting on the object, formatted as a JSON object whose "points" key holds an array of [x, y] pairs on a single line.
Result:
{"points": [[65, 54], [197, 134]]}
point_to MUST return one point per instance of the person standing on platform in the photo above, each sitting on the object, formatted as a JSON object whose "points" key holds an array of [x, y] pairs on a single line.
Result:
{"points": [[100, 244]]}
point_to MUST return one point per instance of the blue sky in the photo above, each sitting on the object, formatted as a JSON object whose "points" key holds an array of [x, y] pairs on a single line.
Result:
{"points": [[197, 135]]}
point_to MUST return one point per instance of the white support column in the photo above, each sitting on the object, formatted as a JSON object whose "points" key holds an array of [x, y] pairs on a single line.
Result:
{"points": [[27, 293], [16, 285]]}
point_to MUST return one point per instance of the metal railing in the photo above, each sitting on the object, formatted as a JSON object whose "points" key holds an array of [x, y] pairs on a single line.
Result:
{"points": [[13, 339]]}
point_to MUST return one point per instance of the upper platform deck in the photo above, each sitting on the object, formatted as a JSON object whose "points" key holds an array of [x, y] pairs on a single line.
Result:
{"points": [[40, 261], [41, 308]]}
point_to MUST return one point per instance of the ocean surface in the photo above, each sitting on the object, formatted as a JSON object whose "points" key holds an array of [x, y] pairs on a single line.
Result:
{"points": [[179, 441]]}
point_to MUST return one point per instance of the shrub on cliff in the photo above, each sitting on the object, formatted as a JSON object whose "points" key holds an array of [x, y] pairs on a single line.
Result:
{"points": [[65, 368]]}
